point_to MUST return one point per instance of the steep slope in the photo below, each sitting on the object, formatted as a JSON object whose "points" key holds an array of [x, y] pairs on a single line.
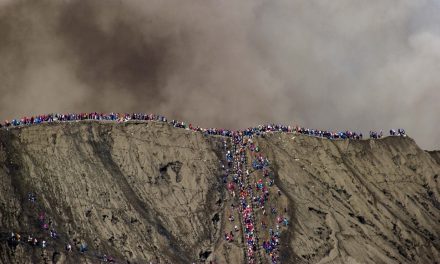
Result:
{"points": [[135, 191], [147, 192], [359, 201]]}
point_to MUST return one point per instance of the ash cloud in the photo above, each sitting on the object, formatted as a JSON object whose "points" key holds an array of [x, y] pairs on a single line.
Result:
{"points": [[356, 65]]}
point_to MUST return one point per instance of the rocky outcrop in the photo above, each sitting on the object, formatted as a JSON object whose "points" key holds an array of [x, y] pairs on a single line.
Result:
{"points": [[147, 192]]}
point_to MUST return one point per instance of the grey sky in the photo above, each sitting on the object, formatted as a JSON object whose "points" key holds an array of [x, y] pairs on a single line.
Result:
{"points": [[343, 64]]}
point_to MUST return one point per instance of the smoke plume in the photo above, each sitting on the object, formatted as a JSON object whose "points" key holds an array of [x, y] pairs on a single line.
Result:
{"points": [[358, 65]]}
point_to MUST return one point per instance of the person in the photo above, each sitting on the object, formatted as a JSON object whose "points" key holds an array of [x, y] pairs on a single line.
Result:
{"points": [[43, 244], [68, 247], [31, 197], [83, 247], [401, 132], [41, 217]]}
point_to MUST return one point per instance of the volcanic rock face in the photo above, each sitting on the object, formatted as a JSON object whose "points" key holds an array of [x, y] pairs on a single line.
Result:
{"points": [[138, 191], [147, 192], [359, 201]]}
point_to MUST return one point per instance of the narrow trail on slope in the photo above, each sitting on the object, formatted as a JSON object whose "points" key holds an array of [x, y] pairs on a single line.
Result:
{"points": [[255, 187]]}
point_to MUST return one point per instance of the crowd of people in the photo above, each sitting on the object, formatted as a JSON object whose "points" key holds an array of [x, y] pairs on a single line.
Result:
{"points": [[258, 130], [250, 187]]}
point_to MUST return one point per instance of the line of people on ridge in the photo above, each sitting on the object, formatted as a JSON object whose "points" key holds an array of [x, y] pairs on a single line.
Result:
{"points": [[258, 130], [49, 118], [377, 135]]}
